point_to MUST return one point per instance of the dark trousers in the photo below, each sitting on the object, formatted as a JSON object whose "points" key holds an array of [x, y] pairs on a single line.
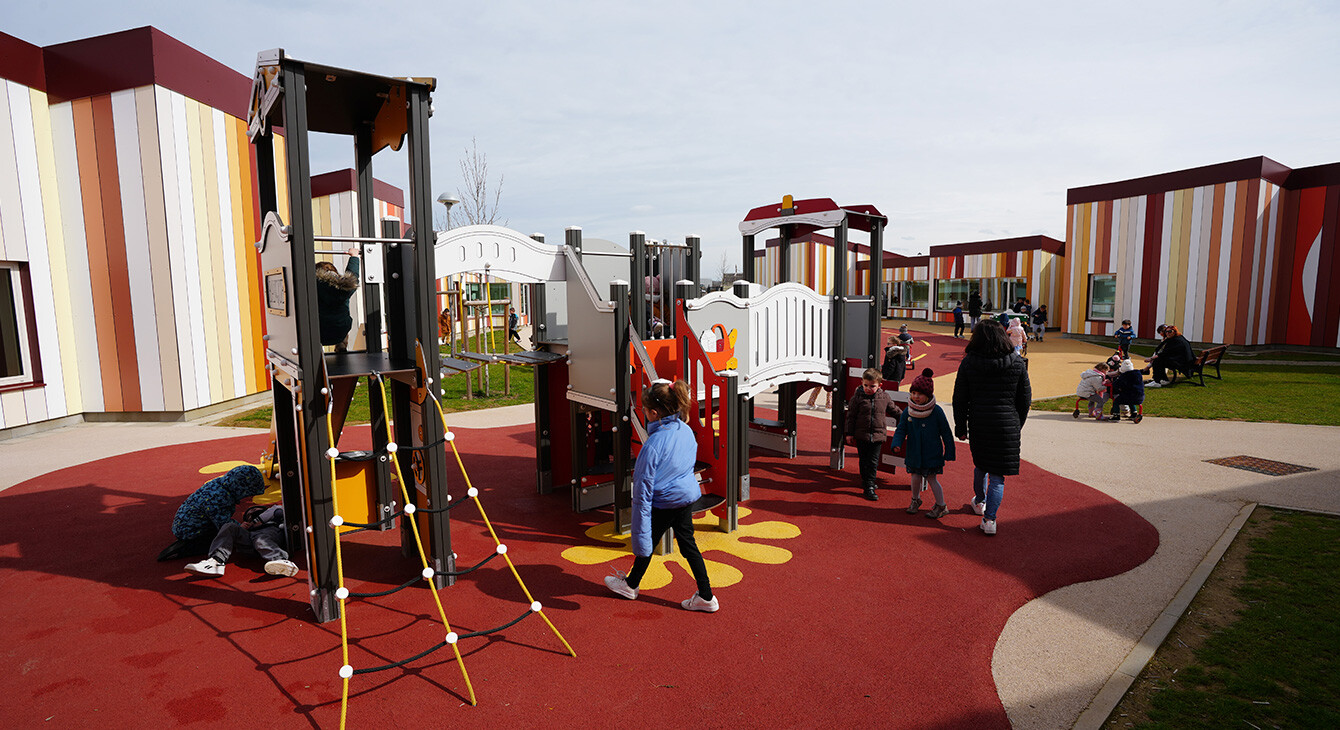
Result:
{"points": [[680, 519], [868, 454], [1161, 366], [267, 541], [958, 329]]}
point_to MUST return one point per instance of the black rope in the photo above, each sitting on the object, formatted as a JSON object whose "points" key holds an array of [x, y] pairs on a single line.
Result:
{"points": [[477, 566], [397, 589], [450, 506], [403, 662], [370, 525], [507, 625], [441, 644], [425, 447]]}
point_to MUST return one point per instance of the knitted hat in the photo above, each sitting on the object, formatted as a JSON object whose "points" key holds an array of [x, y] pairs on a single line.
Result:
{"points": [[923, 383], [1126, 366]]}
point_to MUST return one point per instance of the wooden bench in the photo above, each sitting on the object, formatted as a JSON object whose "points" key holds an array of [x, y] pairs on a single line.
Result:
{"points": [[1207, 357]]}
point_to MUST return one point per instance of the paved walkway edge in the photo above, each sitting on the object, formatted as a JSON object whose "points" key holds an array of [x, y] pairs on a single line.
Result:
{"points": [[1096, 714]]}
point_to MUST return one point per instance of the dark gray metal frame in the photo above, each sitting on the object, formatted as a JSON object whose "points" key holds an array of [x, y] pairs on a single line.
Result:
{"points": [[300, 378]]}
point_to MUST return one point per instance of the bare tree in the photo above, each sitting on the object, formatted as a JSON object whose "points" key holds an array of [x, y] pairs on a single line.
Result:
{"points": [[722, 267], [479, 197]]}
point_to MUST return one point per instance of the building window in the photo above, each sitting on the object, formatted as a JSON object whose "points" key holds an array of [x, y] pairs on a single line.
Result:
{"points": [[499, 294], [1102, 296], [910, 294], [949, 292], [16, 362]]}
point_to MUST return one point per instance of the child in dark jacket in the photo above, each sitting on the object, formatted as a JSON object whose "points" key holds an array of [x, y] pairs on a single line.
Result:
{"points": [[866, 430], [930, 443], [1128, 392]]}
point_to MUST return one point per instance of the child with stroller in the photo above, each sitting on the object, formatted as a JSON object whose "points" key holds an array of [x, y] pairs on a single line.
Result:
{"points": [[930, 443], [1093, 387]]}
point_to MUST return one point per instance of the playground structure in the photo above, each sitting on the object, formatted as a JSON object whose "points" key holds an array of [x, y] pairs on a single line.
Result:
{"points": [[328, 492], [596, 352]]}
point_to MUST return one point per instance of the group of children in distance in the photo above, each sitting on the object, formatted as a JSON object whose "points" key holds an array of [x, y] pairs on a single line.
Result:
{"points": [[1116, 378]]}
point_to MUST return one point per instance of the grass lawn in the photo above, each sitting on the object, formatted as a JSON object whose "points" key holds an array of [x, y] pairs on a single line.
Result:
{"points": [[452, 396], [1270, 393], [1259, 647], [1145, 350]]}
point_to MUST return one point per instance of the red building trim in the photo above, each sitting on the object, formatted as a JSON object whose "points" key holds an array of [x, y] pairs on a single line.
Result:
{"points": [[1252, 168], [141, 57], [1000, 245], [340, 181], [21, 62]]}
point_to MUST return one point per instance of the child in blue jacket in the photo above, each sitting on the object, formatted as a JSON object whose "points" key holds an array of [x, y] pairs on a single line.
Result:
{"points": [[930, 443], [665, 493], [1124, 336]]}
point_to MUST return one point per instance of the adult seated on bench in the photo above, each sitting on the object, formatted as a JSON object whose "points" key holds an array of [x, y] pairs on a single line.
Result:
{"points": [[1173, 353], [1207, 357]]}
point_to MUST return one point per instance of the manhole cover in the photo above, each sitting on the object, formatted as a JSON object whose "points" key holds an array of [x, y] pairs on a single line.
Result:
{"points": [[1259, 465]]}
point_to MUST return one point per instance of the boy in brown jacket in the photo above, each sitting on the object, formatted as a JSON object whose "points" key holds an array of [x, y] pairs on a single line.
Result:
{"points": [[866, 414]]}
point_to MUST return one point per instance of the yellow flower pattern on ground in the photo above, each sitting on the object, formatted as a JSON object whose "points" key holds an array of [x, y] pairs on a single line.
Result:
{"points": [[273, 494], [709, 540]]}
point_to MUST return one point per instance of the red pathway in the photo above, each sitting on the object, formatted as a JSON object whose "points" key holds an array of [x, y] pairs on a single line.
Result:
{"points": [[879, 619]]}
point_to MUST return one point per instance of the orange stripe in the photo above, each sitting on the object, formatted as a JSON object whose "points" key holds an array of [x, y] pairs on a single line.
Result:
{"points": [[253, 292], [114, 226], [95, 235], [1234, 258]]}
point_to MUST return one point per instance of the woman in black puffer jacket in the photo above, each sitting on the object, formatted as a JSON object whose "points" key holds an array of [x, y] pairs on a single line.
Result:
{"points": [[991, 398]]}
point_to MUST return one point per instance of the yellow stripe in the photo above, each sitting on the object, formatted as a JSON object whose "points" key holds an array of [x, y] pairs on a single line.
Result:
{"points": [[239, 248], [199, 195], [55, 243]]}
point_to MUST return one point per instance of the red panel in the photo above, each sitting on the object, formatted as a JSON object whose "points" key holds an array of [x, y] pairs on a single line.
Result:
{"points": [[1244, 257], [1212, 272], [1327, 321], [1281, 291], [117, 267], [1149, 275], [1311, 207]]}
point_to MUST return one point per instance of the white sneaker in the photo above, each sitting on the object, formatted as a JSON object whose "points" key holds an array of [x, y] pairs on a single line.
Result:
{"points": [[698, 604], [208, 566], [618, 584], [281, 567], [1152, 384], [988, 526], [979, 507]]}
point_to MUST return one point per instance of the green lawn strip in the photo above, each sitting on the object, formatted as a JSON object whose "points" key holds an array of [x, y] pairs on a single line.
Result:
{"points": [[1265, 393], [452, 397], [1145, 348], [1278, 664]]}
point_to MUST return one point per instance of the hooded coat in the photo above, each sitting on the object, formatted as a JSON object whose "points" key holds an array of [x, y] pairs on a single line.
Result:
{"points": [[212, 505], [991, 399], [333, 292], [1092, 384], [1129, 387]]}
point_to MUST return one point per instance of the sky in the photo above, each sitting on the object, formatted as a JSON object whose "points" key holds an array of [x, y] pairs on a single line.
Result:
{"points": [[959, 121]]}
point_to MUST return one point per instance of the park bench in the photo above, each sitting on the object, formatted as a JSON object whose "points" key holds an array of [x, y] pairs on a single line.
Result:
{"points": [[1210, 356]]}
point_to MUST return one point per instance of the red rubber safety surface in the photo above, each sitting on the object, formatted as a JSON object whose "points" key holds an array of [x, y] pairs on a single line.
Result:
{"points": [[879, 618]]}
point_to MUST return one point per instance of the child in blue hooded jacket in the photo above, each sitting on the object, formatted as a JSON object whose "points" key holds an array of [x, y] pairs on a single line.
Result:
{"points": [[665, 491], [930, 443], [208, 509]]}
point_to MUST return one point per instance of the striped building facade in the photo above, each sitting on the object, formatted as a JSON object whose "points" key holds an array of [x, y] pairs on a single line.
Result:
{"points": [[1240, 253], [128, 210], [1034, 262], [811, 263]]}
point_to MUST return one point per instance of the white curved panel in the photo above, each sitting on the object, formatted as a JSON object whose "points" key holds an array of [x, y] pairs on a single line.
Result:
{"points": [[509, 255]]}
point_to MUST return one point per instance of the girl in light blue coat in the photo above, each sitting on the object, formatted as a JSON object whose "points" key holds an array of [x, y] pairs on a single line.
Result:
{"points": [[930, 443], [665, 491]]}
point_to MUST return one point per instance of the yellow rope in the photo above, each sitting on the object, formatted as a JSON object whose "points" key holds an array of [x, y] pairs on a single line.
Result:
{"points": [[423, 557], [474, 494], [339, 568]]}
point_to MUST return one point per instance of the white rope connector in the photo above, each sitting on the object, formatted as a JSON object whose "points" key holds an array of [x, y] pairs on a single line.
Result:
{"points": [[429, 381], [346, 672], [336, 521], [502, 549], [427, 574], [392, 448], [474, 492], [341, 593], [409, 509], [536, 607], [452, 637], [333, 453], [450, 436]]}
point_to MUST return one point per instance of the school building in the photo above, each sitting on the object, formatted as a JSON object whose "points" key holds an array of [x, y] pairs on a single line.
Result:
{"points": [[128, 214]]}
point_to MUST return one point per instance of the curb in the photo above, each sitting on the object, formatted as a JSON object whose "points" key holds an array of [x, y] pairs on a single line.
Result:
{"points": [[1103, 704]]}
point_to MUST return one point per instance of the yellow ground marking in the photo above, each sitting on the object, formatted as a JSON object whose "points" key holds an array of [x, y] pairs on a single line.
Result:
{"points": [[659, 575], [273, 494]]}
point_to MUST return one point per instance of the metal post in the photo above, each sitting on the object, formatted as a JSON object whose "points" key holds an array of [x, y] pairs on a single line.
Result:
{"points": [[838, 348], [623, 377], [876, 287], [747, 264], [639, 268]]}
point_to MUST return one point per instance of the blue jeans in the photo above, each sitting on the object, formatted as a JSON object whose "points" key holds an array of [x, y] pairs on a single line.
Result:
{"points": [[989, 488]]}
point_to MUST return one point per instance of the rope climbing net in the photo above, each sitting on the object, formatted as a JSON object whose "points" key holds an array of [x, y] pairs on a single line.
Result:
{"points": [[428, 574]]}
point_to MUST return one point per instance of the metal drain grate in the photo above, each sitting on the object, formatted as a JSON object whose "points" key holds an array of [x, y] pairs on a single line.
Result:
{"points": [[1260, 466]]}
